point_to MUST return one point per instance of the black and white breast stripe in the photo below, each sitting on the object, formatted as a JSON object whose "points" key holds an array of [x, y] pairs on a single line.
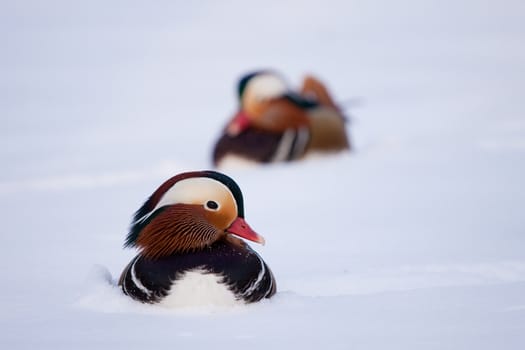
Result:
{"points": [[292, 144], [240, 269]]}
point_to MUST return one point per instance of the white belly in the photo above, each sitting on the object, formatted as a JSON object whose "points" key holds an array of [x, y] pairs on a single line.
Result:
{"points": [[196, 288]]}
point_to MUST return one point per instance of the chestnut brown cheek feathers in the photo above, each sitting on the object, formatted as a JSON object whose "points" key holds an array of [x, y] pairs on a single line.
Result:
{"points": [[164, 236]]}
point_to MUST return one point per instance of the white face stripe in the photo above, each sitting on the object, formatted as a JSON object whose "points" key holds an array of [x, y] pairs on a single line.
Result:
{"points": [[196, 190], [266, 86]]}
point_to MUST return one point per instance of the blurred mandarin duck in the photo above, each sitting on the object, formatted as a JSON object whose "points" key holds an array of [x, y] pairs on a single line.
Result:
{"points": [[276, 124], [189, 253]]}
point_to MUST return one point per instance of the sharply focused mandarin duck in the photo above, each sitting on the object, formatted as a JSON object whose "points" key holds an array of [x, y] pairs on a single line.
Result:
{"points": [[275, 123], [188, 252]]}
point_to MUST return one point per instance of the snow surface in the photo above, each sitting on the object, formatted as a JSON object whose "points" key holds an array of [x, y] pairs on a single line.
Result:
{"points": [[414, 241]]}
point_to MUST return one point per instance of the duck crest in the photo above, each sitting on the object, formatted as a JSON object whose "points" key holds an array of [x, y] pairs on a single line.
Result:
{"points": [[241, 86], [243, 82]]}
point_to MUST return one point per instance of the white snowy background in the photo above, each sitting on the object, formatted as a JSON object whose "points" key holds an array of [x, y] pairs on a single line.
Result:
{"points": [[416, 240]]}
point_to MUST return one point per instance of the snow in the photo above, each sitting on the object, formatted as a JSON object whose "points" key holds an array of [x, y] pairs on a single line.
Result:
{"points": [[413, 241]]}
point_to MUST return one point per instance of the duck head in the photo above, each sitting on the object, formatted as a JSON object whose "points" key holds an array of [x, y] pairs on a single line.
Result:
{"points": [[188, 212], [266, 103], [256, 89]]}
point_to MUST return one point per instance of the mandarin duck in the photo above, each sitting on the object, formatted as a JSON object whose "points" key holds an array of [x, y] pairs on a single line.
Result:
{"points": [[189, 254], [275, 124]]}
